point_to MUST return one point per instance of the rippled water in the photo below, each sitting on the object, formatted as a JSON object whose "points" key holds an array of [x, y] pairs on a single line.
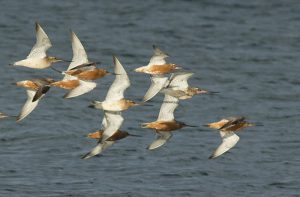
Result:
{"points": [[248, 51]]}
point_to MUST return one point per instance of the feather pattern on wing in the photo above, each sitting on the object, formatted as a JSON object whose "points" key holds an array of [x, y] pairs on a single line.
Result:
{"points": [[79, 54], [178, 81], [114, 122], [161, 139], [120, 84], [42, 43], [101, 146], [157, 83], [84, 87], [167, 109], [229, 140], [29, 106]]}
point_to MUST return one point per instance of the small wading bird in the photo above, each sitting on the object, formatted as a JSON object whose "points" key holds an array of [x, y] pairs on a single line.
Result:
{"points": [[36, 89], [80, 72], [157, 67], [37, 57], [178, 87], [227, 127], [165, 122]]}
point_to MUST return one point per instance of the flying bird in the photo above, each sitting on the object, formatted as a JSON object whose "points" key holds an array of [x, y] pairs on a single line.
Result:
{"points": [[178, 86], [37, 57], [36, 89], [111, 123], [116, 136], [114, 100], [157, 68], [165, 122], [227, 127], [73, 81]]}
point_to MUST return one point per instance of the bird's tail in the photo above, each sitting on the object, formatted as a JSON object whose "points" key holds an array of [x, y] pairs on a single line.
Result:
{"points": [[96, 104]]}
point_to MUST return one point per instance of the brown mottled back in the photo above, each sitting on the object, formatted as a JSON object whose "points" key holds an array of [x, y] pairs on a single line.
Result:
{"points": [[164, 125], [162, 69], [66, 84]]}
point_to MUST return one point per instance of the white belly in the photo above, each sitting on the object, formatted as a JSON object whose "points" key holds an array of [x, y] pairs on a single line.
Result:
{"points": [[112, 106], [38, 63]]}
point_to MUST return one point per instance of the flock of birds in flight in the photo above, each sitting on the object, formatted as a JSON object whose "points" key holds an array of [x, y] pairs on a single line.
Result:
{"points": [[80, 78]]}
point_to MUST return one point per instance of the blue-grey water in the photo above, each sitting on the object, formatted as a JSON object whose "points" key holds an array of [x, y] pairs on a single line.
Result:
{"points": [[249, 51]]}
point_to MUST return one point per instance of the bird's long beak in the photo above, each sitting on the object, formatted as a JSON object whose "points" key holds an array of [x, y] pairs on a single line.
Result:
{"points": [[56, 70], [256, 124], [144, 104], [135, 135], [190, 125], [62, 60], [91, 106], [212, 92]]}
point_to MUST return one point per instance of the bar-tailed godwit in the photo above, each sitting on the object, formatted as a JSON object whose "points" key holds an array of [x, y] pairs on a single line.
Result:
{"points": [[178, 86], [165, 122], [36, 89], [76, 86], [227, 127], [114, 100], [157, 67], [37, 57]]}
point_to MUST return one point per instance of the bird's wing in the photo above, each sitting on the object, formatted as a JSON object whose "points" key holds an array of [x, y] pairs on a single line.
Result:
{"points": [[79, 54], [101, 146], [114, 122], [104, 123], [157, 83], [120, 84], [161, 139], [168, 107], [158, 57], [84, 87], [229, 140], [28, 106], [178, 81], [42, 43], [40, 92], [232, 121]]}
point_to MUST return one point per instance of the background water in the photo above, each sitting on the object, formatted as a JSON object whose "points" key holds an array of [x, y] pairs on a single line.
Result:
{"points": [[248, 51]]}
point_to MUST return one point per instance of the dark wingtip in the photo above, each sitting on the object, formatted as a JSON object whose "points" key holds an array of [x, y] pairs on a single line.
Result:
{"points": [[36, 25], [66, 96], [91, 106], [85, 156], [211, 157]]}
